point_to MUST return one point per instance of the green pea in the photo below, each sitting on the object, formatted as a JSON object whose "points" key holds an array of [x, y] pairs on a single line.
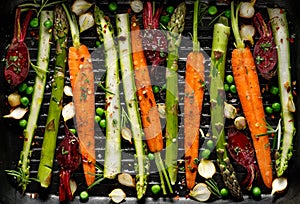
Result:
{"points": [[269, 110], [29, 90], [276, 107], [212, 10], [155, 89], [34, 22], [205, 153], [72, 130], [256, 191], [226, 87], [22, 87], [170, 9], [210, 144], [84, 196], [97, 118], [151, 156], [164, 19], [100, 111], [48, 24], [98, 43], [274, 90], [232, 88], [155, 188], [229, 79], [112, 6], [224, 192], [164, 87], [102, 123], [227, 13], [24, 101], [23, 123]]}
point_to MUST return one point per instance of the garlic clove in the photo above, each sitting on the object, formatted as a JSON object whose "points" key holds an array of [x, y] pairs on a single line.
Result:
{"points": [[79, 7], [117, 195], [17, 113], [126, 180], [68, 111], [86, 21]]}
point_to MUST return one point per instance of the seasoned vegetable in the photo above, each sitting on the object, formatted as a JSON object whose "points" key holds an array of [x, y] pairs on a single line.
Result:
{"points": [[265, 52], [82, 82], [112, 161], [61, 28], [68, 158], [17, 57], [193, 101], [280, 30], [219, 109], [126, 65], [248, 89], [147, 104], [176, 26]]}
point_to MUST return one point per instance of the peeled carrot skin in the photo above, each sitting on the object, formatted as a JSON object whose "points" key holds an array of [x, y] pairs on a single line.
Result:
{"points": [[192, 113], [82, 82], [149, 112], [244, 71]]}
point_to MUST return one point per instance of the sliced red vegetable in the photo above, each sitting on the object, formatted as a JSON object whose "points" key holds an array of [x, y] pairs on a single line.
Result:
{"points": [[68, 158], [265, 53], [17, 56]]}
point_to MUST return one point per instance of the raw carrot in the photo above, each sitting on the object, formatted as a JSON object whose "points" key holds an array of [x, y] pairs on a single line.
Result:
{"points": [[193, 100], [147, 104], [248, 88], [82, 82]]}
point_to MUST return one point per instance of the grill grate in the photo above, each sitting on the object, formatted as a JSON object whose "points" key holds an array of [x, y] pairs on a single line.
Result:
{"points": [[89, 38]]}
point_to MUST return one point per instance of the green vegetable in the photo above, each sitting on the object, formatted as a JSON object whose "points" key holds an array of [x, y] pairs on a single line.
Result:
{"points": [[98, 43], [226, 87], [227, 13], [48, 24], [34, 22], [102, 123], [151, 156], [44, 48], [274, 90], [22, 87], [24, 101], [224, 192], [210, 144], [29, 90], [276, 107], [112, 6], [229, 79], [97, 118], [164, 19], [100, 111], [256, 192], [72, 130], [170, 9], [205, 154], [155, 89], [60, 32], [112, 161], [269, 110], [280, 30], [84, 196], [176, 26], [221, 34], [232, 88], [155, 189], [23, 123], [212, 10], [142, 164]]}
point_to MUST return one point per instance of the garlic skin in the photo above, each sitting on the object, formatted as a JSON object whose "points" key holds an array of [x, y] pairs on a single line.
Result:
{"points": [[229, 111], [86, 21], [79, 7], [17, 113], [240, 123], [136, 6]]}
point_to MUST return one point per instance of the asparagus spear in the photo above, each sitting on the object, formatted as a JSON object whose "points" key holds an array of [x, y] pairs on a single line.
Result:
{"points": [[45, 37], [176, 26], [60, 33], [112, 161], [280, 30], [217, 98], [123, 28]]}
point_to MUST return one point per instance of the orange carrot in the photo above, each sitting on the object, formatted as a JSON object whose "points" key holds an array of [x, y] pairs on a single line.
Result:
{"points": [[193, 100], [149, 112], [147, 104], [82, 82], [248, 88]]}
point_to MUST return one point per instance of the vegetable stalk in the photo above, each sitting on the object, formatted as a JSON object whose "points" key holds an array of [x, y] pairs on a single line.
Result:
{"points": [[60, 31], [221, 34], [123, 28], [280, 30], [112, 161], [176, 26]]}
